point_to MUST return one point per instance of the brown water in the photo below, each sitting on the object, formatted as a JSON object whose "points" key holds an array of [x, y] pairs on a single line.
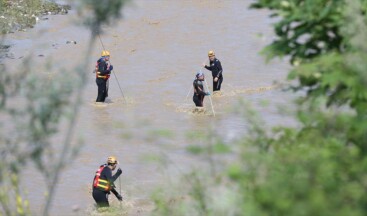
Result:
{"points": [[156, 50]]}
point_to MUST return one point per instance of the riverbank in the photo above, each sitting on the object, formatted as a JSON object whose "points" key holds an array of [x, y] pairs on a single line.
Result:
{"points": [[19, 15]]}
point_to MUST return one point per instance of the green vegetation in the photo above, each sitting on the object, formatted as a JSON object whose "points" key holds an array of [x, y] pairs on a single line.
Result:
{"points": [[21, 14], [33, 116], [318, 167]]}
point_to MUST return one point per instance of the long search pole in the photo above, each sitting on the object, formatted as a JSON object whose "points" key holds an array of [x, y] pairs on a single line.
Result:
{"points": [[120, 190], [210, 97], [188, 93], [118, 83]]}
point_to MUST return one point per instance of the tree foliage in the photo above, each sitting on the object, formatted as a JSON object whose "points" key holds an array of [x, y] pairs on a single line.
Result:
{"points": [[101, 12], [31, 116], [322, 37], [320, 166]]}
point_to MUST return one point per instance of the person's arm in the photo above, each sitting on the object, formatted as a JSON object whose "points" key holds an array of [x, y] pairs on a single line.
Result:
{"points": [[118, 196], [220, 69], [112, 178], [117, 174], [200, 91], [209, 67], [206, 66]]}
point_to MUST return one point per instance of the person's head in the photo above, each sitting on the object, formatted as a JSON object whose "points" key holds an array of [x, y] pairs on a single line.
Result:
{"points": [[211, 55], [200, 76], [112, 162], [106, 55]]}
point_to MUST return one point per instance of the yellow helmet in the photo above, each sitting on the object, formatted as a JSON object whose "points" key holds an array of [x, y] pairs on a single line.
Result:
{"points": [[211, 53], [112, 160], [105, 53]]}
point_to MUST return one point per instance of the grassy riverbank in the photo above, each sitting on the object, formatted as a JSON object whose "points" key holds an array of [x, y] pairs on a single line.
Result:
{"points": [[18, 15]]}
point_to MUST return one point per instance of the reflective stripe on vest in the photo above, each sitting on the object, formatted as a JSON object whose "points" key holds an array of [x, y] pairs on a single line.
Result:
{"points": [[100, 76], [99, 183]]}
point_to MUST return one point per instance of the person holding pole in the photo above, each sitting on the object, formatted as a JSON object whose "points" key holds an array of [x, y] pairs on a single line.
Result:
{"points": [[103, 72], [217, 71], [103, 182], [199, 92]]}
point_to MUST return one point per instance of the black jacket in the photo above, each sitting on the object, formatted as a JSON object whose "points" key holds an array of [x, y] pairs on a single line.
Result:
{"points": [[216, 68], [199, 87]]}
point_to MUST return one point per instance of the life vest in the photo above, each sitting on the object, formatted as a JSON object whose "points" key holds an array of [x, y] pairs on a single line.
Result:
{"points": [[106, 77], [101, 184]]}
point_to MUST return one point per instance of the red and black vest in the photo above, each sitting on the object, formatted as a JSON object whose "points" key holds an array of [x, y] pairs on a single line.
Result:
{"points": [[101, 184], [105, 77]]}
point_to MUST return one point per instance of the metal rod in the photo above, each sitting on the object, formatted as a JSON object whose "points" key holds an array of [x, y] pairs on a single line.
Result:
{"points": [[210, 98], [120, 191], [188, 93]]}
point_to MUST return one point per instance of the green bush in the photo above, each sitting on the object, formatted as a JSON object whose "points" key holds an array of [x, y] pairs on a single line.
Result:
{"points": [[34, 119], [320, 166]]}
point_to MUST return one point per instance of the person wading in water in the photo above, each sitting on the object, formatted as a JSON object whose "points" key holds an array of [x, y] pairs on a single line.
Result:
{"points": [[103, 71], [103, 182], [199, 92], [217, 71]]}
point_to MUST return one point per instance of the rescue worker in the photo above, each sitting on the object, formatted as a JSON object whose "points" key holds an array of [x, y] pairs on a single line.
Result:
{"points": [[199, 92], [217, 71], [103, 182], [103, 71]]}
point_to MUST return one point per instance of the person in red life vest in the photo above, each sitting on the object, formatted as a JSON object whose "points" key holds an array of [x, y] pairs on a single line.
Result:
{"points": [[103, 72], [217, 71], [103, 182]]}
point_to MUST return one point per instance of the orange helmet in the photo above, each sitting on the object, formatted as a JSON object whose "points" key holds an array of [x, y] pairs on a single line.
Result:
{"points": [[112, 160], [211, 53], [105, 53]]}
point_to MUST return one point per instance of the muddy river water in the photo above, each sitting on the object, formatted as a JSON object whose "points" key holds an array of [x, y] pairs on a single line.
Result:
{"points": [[156, 50]]}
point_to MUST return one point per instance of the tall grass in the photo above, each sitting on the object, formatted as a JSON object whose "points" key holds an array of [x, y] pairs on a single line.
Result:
{"points": [[35, 118]]}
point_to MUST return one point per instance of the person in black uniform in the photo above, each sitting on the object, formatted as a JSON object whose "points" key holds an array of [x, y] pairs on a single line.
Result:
{"points": [[103, 182], [199, 92], [103, 71], [217, 71]]}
